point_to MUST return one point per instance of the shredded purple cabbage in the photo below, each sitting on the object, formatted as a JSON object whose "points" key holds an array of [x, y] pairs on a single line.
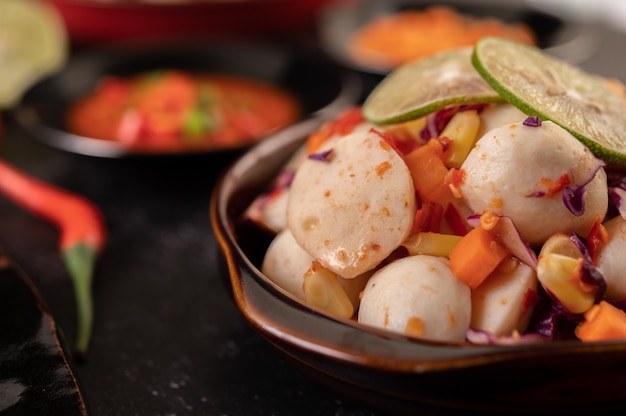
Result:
{"points": [[473, 220], [284, 179], [509, 236], [589, 272], [580, 245], [544, 321], [437, 121], [584, 172], [324, 156], [590, 275], [561, 311], [479, 107], [619, 183], [573, 196], [574, 199], [618, 196], [532, 121]]}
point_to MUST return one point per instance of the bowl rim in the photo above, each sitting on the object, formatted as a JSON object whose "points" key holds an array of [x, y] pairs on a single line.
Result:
{"points": [[27, 117], [377, 349], [575, 41]]}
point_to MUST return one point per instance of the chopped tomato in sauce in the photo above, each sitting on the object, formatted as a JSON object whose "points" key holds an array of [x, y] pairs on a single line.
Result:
{"points": [[178, 111]]}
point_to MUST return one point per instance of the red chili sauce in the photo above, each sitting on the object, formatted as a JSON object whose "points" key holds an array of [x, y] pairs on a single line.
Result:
{"points": [[174, 111]]}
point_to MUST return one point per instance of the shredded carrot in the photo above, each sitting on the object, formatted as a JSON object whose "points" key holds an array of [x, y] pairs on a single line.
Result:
{"points": [[393, 39], [475, 256], [554, 187], [603, 322], [428, 171]]}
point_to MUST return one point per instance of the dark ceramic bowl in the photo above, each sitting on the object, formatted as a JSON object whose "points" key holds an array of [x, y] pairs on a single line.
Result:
{"points": [[317, 84], [389, 371], [337, 22]]}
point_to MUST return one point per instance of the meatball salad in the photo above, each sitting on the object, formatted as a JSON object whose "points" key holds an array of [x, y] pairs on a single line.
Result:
{"points": [[480, 204]]}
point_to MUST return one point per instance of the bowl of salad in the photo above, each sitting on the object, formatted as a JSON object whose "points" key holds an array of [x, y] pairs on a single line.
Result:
{"points": [[180, 98], [451, 244]]}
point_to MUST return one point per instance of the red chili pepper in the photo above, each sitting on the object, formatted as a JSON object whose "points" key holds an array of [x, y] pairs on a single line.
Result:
{"points": [[455, 220], [428, 218], [82, 234], [531, 298], [597, 238]]}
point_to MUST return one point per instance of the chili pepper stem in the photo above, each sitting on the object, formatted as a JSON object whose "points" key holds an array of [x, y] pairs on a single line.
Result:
{"points": [[79, 260]]}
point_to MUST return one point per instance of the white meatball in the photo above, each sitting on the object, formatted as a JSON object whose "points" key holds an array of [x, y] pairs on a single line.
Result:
{"points": [[274, 212], [500, 304], [612, 259], [509, 168], [418, 296], [269, 210], [352, 210], [285, 263], [498, 115]]}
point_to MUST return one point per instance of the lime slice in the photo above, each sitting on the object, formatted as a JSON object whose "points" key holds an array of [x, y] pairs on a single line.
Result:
{"points": [[33, 43], [551, 89], [427, 85]]}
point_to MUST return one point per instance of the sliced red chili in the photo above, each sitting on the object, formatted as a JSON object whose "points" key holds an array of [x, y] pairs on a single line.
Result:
{"points": [[455, 221], [596, 239]]}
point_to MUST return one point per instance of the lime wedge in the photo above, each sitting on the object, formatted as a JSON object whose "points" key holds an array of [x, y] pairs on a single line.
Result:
{"points": [[427, 85], [551, 89], [33, 43]]}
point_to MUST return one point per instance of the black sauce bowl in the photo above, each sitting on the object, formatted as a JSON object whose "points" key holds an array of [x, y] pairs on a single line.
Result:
{"points": [[318, 85]]}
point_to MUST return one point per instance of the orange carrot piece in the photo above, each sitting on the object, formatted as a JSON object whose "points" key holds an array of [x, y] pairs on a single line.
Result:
{"points": [[603, 322], [428, 171], [475, 256]]}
